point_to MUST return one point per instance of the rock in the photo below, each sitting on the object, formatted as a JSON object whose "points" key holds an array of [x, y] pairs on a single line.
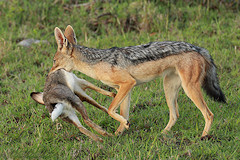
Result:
{"points": [[29, 42]]}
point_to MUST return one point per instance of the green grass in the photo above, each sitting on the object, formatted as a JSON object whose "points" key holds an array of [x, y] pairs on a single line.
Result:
{"points": [[27, 132]]}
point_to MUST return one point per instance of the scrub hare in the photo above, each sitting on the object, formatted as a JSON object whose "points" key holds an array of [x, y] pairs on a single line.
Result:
{"points": [[63, 95]]}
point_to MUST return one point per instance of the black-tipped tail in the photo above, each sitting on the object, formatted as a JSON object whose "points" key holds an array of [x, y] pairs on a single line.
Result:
{"points": [[215, 93], [211, 84]]}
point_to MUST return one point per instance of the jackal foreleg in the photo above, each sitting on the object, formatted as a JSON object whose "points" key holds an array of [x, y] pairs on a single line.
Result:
{"points": [[124, 111], [123, 91]]}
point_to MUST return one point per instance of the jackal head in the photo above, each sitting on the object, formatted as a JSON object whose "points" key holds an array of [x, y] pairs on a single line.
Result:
{"points": [[64, 55]]}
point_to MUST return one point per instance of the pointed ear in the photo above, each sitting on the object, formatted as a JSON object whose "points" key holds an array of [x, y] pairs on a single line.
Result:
{"points": [[38, 97], [57, 111], [59, 37], [70, 35]]}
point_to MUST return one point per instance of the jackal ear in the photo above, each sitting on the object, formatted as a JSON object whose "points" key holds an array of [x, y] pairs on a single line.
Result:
{"points": [[70, 35], [38, 97], [59, 37]]}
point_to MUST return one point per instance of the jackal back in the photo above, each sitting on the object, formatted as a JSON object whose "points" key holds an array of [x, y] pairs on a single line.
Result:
{"points": [[134, 55]]}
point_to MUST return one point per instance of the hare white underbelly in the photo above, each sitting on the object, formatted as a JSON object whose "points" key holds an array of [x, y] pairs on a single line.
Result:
{"points": [[63, 109], [70, 79]]}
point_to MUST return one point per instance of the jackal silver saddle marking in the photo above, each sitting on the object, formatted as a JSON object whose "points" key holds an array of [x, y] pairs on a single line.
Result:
{"points": [[134, 55]]}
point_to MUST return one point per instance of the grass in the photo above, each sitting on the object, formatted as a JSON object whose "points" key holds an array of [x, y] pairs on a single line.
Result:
{"points": [[26, 131]]}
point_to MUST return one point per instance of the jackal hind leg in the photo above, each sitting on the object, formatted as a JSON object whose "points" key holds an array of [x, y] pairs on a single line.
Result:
{"points": [[191, 83], [124, 111], [82, 110], [171, 83]]}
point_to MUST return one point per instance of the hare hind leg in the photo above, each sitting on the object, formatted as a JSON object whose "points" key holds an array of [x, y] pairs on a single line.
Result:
{"points": [[82, 110], [84, 97], [74, 120], [171, 83]]}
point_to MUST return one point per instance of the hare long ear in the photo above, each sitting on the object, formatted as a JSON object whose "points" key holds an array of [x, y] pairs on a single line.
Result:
{"points": [[59, 37], [38, 97], [70, 35]]}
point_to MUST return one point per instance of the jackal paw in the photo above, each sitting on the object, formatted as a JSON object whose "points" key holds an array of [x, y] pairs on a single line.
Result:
{"points": [[165, 132], [122, 127], [112, 94], [206, 137], [127, 125]]}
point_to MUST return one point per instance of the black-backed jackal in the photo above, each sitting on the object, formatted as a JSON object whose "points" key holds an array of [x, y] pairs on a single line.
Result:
{"points": [[63, 95], [180, 63]]}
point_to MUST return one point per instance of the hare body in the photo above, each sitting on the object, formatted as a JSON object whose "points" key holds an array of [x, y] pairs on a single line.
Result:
{"points": [[63, 95]]}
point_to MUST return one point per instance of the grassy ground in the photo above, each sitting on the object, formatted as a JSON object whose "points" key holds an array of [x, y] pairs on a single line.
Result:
{"points": [[26, 131]]}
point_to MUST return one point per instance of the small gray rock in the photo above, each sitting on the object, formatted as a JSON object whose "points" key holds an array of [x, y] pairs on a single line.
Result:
{"points": [[29, 42]]}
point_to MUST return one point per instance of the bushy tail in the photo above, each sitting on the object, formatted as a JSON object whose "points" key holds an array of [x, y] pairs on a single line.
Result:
{"points": [[211, 84]]}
